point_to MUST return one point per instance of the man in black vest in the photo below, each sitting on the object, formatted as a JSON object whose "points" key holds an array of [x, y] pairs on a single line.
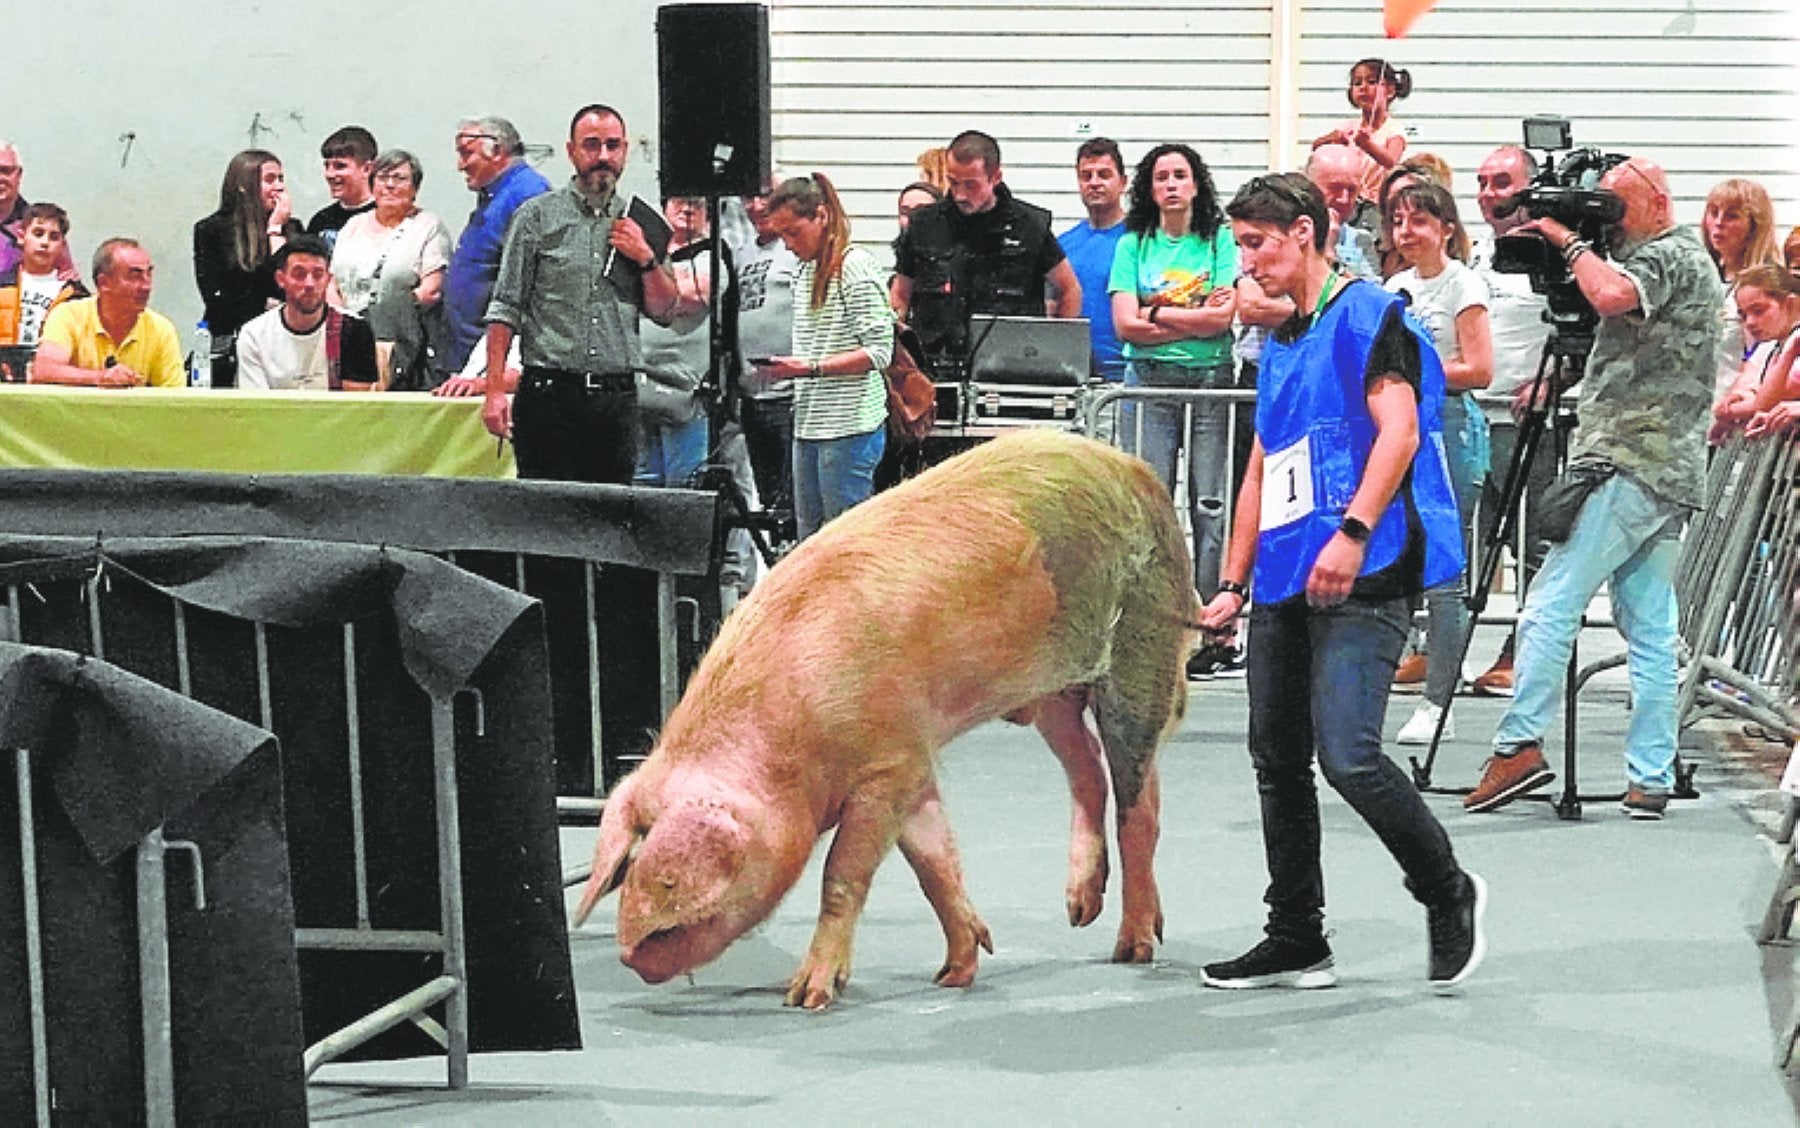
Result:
{"points": [[980, 250]]}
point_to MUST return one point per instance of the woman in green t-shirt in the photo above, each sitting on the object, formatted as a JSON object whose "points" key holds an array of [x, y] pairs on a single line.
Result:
{"points": [[1173, 298]]}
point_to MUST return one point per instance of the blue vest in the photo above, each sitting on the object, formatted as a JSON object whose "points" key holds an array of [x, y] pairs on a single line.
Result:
{"points": [[1313, 420]]}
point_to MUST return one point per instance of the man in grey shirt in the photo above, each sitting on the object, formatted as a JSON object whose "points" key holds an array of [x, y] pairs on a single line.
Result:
{"points": [[575, 414], [1644, 407]]}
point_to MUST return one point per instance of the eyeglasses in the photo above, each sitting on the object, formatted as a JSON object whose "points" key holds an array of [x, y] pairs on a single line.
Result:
{"points": [[9, 170], [393, 178]]}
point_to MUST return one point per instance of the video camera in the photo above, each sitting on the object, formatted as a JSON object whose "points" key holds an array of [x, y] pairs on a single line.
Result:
{"points": [[1571, 195]]}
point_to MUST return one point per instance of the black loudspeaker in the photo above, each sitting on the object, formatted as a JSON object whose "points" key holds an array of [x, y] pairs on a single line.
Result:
{"points": [[712, 67]]}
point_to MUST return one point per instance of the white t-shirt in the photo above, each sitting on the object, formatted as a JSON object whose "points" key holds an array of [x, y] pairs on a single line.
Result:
{"points": [[1437, 301], [37, 292], [404, 255], [271, 357], [1516, 317]]}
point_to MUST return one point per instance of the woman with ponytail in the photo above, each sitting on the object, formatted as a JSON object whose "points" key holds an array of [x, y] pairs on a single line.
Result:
{"points": [[843, 338]]}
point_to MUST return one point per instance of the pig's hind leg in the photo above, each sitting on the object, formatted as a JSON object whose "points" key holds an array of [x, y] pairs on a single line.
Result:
{"points": [[929, 846], [1136, 705], [1061, 720]]}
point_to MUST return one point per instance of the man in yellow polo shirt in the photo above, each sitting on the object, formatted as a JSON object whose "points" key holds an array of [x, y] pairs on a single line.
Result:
{"points": [[113, 339]]}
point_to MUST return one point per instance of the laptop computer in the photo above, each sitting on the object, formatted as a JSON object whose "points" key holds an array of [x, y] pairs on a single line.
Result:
{"points": [[1045, 351]]}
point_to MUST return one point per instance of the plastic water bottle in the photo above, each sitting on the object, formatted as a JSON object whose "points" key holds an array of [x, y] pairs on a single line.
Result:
{"points": [[200, 358]]}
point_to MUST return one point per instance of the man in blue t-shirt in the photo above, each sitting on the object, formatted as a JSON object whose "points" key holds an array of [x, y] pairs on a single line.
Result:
{"points": [[1089, 245], [491, 158]]}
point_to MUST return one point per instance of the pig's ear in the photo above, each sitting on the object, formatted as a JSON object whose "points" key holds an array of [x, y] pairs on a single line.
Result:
{"points": [[619, 832]]}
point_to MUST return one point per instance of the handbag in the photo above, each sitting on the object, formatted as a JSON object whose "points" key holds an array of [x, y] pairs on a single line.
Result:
{"points": [[1560, 505], [911, 393]]}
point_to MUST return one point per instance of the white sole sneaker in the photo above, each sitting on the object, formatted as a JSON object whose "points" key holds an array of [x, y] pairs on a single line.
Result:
{"points": [[1321, 974], [1478, 951], [1420, 726]]}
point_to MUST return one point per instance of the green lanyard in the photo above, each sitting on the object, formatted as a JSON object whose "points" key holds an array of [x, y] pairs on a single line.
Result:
{"points": [[1325, 292]]}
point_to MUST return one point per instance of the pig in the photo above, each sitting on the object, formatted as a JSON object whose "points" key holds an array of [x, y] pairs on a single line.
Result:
{"points": [[1039, 577]]}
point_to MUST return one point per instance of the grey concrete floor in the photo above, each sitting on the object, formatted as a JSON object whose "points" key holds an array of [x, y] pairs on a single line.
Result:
{"points": [[1622, 985]]}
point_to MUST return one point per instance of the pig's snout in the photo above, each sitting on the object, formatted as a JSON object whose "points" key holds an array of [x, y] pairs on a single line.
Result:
{"points": [[668, 952]]}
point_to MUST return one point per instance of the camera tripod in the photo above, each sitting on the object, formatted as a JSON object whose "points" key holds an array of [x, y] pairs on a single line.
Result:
{"points": [[1559, 366]]}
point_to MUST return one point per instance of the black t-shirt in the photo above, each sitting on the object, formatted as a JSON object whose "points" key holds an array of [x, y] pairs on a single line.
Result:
{"points": [[332, 217]]}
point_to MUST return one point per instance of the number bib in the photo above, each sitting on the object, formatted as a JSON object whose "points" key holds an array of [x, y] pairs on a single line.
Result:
{"points": [[1287, 484]]}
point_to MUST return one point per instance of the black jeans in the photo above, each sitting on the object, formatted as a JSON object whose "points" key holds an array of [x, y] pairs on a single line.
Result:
{"points": [[769, 437], [566, 432], [1319, 679]]}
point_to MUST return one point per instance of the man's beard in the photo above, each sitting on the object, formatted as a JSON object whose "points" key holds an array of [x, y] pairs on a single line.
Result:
{"points": [[599, 180]]}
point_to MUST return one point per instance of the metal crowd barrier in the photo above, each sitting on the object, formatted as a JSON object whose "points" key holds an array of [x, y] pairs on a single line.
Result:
{"points": [[72, 1086], [391, 914], [608, 562], [1102, 417], [1736, 583]]}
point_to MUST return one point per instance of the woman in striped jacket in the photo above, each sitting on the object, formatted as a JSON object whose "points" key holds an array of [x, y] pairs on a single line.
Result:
{"points": [[843, 338]]}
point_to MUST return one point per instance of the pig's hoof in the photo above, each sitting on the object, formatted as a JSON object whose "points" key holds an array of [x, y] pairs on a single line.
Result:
{"points": [[1086, 894], [1085, 903], [959, 966], [815, 989]]}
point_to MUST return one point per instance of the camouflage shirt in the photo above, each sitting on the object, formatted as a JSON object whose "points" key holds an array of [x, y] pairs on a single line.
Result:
{"points": [[1647, 395]]}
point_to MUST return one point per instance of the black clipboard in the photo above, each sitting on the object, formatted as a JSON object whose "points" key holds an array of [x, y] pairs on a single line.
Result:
{"points": [[621, 271]]}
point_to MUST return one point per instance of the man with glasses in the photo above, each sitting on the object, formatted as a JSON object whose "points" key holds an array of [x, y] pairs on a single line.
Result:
{"points": [[575, 274], [12, 216], [490, 156], [1345, 517], [1644, 406]]}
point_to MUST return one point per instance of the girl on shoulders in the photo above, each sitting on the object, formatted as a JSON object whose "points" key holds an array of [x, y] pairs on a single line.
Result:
{"points": [[1375, 85]]}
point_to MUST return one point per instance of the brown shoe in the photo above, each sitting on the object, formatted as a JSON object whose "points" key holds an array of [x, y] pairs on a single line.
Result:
{"points": [[1507, 777], [1640, 804], [1498, 681], [1411, 670]]}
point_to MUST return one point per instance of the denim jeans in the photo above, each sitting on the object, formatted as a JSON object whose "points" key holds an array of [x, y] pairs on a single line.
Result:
{"points": [[831, 475], [672, 451], [1208, 451], [1318, 679], [1628, 538], [1447, 614]]}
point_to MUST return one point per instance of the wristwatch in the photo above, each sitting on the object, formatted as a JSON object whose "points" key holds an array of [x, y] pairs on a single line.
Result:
{"points": [[1234, 588], [1355, 530]]}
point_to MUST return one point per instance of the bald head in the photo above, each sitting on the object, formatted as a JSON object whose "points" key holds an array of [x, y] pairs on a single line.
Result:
{"points": [[1644, 186], [1336, 170], [12, 170]]}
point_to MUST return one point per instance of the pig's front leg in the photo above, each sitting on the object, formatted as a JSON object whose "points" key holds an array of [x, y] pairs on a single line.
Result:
{"points": [[929, 847], [870, 824], [1141, 925], [1062, 722]]}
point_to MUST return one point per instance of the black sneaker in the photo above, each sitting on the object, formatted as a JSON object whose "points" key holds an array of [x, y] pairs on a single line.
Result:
{"points": [[1275, 963], [1215, 659], [1457, 943]]}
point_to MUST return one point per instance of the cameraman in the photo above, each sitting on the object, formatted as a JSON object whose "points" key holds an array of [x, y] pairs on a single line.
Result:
{"points": [[1644, 409]]}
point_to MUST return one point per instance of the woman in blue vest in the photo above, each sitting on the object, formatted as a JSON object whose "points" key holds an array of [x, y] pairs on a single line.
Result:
{"points": [[1346, 515]]}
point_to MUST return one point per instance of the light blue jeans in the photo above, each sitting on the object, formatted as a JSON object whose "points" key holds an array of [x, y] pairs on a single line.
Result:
{"points": [[671, 452], [831, 475], [1628, 538], [1446, 609], [1208, 449]]}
